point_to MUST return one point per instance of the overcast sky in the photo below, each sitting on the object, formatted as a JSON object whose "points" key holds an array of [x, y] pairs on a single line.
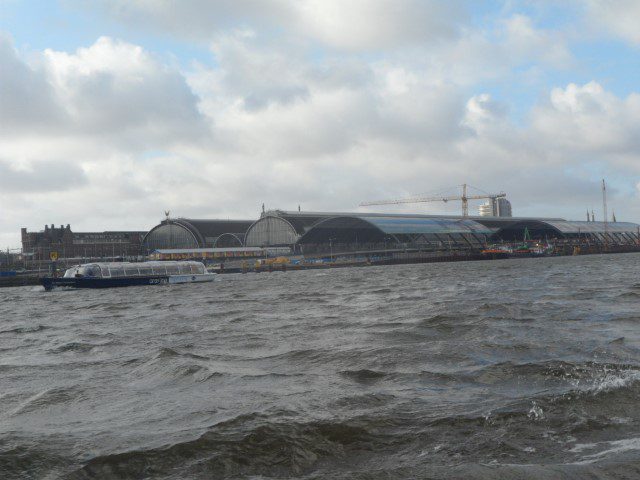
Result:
{"points": [[113, 111]]}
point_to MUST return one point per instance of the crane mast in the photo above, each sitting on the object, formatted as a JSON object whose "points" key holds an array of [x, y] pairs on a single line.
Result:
{"points": [[464, 198]]}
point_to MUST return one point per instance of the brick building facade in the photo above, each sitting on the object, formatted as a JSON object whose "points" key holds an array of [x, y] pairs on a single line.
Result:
{"points": [[68, 244]]}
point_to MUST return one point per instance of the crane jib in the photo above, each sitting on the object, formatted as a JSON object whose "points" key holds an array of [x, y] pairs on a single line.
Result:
{"points": [[464, 198]]}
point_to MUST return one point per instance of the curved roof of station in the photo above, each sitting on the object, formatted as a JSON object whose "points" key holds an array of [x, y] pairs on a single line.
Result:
{"points": [[376, 227], [214, 228], [415, 224], [300, 221], [315, 227], [570, 227], [206, 231]]}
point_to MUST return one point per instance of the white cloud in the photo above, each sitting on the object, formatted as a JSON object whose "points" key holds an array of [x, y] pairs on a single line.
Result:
{"points": [[73, 122], [587, 118], [379, 24], [617, 17], [351, 25], [116, 88], [521, 39], [198, 20], [111, 89], [27, 99], [276, 120]]}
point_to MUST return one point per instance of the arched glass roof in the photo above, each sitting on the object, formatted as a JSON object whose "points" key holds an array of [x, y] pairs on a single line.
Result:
{"points": [[378, 228], [411, 225], [593, 227], [190, 233], [271, 230]]}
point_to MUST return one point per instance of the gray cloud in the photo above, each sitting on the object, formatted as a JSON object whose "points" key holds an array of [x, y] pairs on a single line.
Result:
{"points": [[618, 18], [27, 100], [49, 176], [111, 90], [352, 25]]}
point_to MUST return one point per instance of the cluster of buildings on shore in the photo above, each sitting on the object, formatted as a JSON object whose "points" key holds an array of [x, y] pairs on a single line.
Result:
{"points": [[301, 232], [68, 244]]}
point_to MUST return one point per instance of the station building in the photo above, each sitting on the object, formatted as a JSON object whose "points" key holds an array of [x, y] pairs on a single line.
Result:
{"points": [[185, 233], [307, 231]]}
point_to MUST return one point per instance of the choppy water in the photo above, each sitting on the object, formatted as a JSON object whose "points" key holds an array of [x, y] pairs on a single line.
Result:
{"points": [[508, 369]]}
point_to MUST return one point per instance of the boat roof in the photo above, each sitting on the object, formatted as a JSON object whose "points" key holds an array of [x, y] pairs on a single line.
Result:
{"points": [[206, 250], [159, 263]]}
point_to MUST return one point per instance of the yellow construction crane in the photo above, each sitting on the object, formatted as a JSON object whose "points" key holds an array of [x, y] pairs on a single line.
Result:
{"points": [[464, 198]]}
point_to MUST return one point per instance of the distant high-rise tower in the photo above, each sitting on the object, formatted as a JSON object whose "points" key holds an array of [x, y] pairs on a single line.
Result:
{"points": [[486, 209], [504, 207], [496, 207]]}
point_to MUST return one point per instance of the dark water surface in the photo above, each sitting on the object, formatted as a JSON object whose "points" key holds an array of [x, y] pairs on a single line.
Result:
{"points": [[509, 369]]}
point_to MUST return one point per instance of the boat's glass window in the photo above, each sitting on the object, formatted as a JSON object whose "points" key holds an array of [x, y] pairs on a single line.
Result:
{"points": [[117, 271], [184, 269], [145, 271], [90, 271], [71, 272], [130, 271], [159, 270], [105, 271], [197, 269], [173, 269]]}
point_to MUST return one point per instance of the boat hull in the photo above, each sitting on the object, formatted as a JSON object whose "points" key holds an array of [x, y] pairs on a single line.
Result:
{"points": [[49, 283]]}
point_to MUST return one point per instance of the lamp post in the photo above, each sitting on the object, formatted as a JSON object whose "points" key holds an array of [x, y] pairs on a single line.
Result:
{"points": [[386, 238]]}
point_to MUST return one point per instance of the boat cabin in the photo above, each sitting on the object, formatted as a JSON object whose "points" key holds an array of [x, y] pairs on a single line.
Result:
{"points": [[139, 269]]}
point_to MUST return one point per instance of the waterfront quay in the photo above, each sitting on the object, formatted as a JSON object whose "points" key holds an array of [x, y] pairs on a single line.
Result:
{"points": [[282, 240], [338, 259]]}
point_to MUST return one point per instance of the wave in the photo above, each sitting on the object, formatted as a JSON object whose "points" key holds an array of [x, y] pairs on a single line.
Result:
{"points": [[79, 347], [440, 319], [166, 352], [28, 462], [363, 376], [369, 400], [600, 450], [258, 445], [245, 446], [629, 296], [309, 354], [107, 306], [168, 365], [48, 398], [585, 376], [26, 329], [273, 375], [381, 290]]}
